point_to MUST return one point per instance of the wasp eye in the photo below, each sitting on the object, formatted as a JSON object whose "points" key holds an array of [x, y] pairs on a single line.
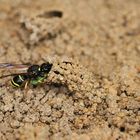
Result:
{"points": [[46, 67], [33, 70]]}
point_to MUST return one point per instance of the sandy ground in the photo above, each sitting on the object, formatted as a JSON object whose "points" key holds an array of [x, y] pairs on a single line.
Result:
{"points": [[93, 89]]}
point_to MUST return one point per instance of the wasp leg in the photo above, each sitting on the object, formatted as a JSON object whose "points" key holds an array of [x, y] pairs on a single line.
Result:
{"points": [[26, 85], [25, 89], [43, 84]]}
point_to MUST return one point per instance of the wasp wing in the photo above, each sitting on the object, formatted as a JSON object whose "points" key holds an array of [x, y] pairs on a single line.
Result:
{"points": [[7, 75], [7, 66]]}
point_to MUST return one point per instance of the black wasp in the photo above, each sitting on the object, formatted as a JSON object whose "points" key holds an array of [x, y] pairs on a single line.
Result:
{"points": [[35, 74]]}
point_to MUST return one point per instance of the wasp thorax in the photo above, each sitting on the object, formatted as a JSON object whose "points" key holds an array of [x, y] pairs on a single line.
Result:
{"points": [[33, 70]]}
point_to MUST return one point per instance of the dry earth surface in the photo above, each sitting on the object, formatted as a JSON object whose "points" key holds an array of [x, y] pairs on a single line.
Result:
{"points": [[93, 89]]}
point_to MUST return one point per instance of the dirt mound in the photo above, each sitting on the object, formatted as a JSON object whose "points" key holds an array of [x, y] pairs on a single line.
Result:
{"points": [[92, 90]]}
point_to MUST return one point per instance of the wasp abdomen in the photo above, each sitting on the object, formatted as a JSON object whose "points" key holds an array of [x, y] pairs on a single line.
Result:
{"points": [[18, 80]]}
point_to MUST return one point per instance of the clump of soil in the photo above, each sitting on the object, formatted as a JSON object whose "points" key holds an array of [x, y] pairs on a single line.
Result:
{"points": [[92, 90]]}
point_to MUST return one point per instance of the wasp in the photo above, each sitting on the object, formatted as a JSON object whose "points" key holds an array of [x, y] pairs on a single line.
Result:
{"points": [[35, 74]]}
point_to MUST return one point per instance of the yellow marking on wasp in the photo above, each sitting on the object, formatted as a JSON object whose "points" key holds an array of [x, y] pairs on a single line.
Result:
{"points": [[21, 78], [14, 84]]}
